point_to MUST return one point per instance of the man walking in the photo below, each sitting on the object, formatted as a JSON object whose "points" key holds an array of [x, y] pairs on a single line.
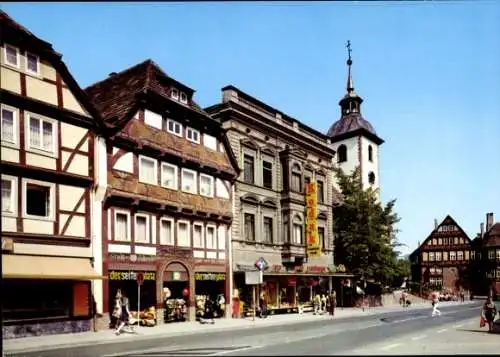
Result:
{"points": [[435, 301]]}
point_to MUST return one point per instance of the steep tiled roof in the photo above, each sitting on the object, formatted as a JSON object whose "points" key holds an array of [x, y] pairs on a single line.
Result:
{"points": [[115, 96], [492, 236]]}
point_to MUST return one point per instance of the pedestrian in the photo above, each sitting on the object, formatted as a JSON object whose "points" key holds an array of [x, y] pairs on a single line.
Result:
{"points": [[489, 312], [435, 310], [404, 298], [462, 296], [323, 303], [316, 304], [333, 302], [209, 310], [262, 306], [124, 312]]}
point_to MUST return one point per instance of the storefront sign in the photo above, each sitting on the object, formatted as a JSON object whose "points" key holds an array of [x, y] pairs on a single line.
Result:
{"points": [[131, 258], [7, 244], [209, 276], [130, 275], [316, 269], [313, 248]]}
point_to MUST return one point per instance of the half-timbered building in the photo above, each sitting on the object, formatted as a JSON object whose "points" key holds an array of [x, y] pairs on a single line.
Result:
{"points": [[167, 209], [490, 256], [442, 260], [47, 152]]}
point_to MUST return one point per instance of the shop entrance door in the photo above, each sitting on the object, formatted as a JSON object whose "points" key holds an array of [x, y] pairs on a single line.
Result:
{"points": [[176, 292]]}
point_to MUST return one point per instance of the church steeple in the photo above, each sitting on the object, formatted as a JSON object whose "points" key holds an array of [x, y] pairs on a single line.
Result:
{"points": [[351, 102]]}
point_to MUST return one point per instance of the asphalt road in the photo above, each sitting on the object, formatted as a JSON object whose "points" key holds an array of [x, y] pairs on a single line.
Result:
{"points": [[324, 337]]}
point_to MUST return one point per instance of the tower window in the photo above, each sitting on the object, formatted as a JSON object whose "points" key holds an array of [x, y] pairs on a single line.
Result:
{"points": [[371, 178], [370, 153], [342, 153]]}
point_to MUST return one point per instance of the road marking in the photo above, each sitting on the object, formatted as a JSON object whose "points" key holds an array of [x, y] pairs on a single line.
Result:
{"points": [[385, 348], [416, 338], [443, 330], [409, 319], [236, 350], [457, 325]]}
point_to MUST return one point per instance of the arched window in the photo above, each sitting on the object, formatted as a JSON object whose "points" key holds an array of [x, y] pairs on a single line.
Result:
{"points": [[296, 183], [342, 153], [370, 153], [371, 178]]}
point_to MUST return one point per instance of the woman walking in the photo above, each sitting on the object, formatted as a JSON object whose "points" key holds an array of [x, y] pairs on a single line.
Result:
{"points": [[124, 312], [489, 312]]}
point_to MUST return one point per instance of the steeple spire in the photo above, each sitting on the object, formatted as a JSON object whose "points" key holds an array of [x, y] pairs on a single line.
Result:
{"points": [[350, 86]]}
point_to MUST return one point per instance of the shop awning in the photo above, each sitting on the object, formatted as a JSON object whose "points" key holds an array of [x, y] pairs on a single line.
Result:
{"points": [[40, 267]]}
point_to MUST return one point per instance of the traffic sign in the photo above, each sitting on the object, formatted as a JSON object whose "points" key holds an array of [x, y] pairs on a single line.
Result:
{"points": [[140, 278]]}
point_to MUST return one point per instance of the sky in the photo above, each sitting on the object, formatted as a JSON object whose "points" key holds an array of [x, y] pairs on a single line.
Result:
{"points": [[429, 74]]}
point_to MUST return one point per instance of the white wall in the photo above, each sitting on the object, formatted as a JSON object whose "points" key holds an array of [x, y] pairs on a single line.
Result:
{"points": [[370, 166], [352, 157]]}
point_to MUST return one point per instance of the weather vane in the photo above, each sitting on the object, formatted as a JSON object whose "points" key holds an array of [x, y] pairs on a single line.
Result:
{"points": [[349, 50]]}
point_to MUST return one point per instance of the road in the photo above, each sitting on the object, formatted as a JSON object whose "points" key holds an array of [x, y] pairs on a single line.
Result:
{"points": [[322, 337]]}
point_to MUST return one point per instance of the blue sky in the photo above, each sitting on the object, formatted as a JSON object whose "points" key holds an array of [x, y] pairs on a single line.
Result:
{"points": [[428, 71]]}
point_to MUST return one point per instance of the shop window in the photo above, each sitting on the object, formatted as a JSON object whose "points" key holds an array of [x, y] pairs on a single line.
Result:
{"points": [[211, 237], [147, 170], [142, 229], [320, 191], [249, 227], [296, 183], [166, 231], [206, 185], [38, 199], [267, 174], [9, 125], [122, 226], [189, 181], [183, 239], [198, 241], [41, 134], [321, 235], [248, 169], [53, 300], [169, 176], [268, 230]]}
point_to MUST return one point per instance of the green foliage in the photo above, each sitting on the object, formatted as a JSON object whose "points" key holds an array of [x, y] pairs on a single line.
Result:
{"points": [[365, 232]]}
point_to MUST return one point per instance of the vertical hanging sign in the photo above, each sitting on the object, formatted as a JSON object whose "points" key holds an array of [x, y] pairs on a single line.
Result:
{"points": [[312, 238]]}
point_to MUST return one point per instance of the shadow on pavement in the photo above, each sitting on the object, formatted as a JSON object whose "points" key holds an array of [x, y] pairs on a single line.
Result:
{"points": [[484, 332]]}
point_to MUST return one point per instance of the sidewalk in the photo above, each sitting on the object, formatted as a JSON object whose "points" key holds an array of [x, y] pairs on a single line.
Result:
{"points": [[47, 342]]}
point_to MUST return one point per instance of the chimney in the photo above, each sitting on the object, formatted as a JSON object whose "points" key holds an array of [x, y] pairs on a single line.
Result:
{"points": [[489, 221], [435, 223], [482, 229]]}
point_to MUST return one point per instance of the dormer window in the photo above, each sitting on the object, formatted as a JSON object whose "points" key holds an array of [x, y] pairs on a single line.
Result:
{"points": [[175, 93], [12, 55], [174, 127], [184, 98], [193, 135]]}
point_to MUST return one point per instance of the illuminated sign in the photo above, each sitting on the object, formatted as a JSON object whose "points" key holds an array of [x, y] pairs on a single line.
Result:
{"points": [[312, 238], [130, 275], [209, 276]]}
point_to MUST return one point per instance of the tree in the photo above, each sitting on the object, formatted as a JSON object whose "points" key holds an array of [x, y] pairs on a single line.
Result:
{"points": [[365, 230]]}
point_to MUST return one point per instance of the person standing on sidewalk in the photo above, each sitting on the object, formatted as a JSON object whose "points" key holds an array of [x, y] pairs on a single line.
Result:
{"points": [[333, 302], [124, 313], [489, 312]]}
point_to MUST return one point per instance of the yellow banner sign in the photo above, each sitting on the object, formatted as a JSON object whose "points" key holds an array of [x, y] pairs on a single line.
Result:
{"points": [[312, 238]]}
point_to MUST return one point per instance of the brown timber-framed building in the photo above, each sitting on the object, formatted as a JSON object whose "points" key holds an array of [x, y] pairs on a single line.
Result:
{"points": [[47, 152]]}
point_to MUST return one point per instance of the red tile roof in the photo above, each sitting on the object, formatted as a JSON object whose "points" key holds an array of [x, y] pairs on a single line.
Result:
{"points": [[115, 96]]}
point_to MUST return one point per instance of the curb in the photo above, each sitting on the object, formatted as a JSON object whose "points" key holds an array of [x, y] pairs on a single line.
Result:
{"points": [[134, 337]]}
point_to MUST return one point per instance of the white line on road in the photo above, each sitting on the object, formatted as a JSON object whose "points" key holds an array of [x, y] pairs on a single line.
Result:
{"points": [[416, 338], [443, 330], [385, 348], [457, 325], [236, 350]]}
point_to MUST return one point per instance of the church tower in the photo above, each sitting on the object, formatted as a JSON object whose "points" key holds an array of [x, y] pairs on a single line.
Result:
{"points": [[354, 138]]}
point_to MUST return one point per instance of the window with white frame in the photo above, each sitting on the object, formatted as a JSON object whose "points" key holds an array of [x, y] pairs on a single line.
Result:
{"points": [[431, 256], [193, 135], [122, 226], [206, 185], [221, 235], [41, 134], [183, 234], [12, 55], [184, 98], [211, 237], [141, 228], [169, 176], [297, 231], [166, 231], [9, 125], [32, 63], [174, 127], [147, 170], [189, 181], [9, 195], [38, 199], [175, 93], [453, 255], [198, 239], [439, 256]]}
